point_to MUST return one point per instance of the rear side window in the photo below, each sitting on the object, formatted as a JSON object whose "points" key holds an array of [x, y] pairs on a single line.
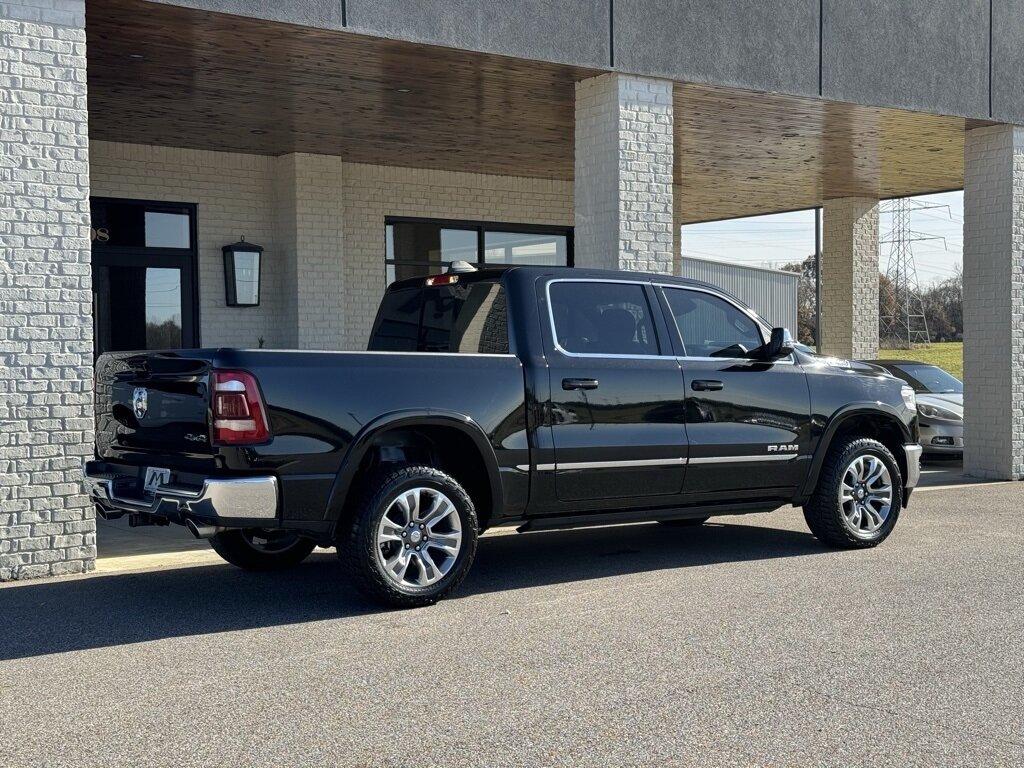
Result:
{"points": [[470, 318], [602, 318], [711, 326]]}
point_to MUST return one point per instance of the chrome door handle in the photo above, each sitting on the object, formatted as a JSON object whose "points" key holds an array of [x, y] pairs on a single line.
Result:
{"points": [[569, 384], [706, 385]]}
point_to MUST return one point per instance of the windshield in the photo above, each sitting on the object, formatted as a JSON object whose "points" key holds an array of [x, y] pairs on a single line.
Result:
{"points": [[929, 378]]}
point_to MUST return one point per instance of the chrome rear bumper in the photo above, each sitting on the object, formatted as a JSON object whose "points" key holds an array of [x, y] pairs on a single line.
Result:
{"points": [[913, 453], [217, 498]]}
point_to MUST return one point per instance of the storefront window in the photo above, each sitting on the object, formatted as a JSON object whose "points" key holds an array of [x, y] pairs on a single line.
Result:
{"points": [[167, 230], [137, 224], [547, 250], [419, 247]]}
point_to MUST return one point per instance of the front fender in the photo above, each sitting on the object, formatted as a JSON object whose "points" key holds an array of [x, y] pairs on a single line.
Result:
{"points": [[844, 414]]}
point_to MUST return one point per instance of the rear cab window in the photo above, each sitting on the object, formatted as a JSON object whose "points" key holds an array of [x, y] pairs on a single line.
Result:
{"points": [[467, 317]]}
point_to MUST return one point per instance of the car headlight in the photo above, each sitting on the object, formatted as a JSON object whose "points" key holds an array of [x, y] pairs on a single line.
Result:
{"points": [[909, 397], [936, 412]]}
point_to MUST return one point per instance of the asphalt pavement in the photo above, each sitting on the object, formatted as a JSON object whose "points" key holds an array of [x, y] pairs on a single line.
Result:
{"points": [[744, 642]]}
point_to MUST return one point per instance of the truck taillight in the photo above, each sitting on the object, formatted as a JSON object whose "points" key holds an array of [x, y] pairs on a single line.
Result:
{"points": [[239, 417]]}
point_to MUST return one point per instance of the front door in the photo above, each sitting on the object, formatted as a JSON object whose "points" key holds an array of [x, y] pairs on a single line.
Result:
{"points": [[616, 415], [143, 275], [748, 421]]}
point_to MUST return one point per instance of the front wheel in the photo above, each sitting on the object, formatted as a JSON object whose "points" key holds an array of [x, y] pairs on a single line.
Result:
{"points": [[412, 538], [259, 549], [859, 495]]}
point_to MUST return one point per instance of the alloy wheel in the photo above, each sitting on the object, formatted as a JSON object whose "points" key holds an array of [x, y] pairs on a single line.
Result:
{"points": [[865, 495], [419, 537]]}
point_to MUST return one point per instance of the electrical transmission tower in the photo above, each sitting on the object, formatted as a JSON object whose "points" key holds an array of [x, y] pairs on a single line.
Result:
{"points": [[903, 321]]}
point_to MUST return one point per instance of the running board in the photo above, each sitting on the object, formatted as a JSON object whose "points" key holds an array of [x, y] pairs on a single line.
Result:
{"points": [[648, 515]]}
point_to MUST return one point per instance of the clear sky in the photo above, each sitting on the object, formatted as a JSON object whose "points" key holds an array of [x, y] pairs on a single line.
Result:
{"points": [[771, 241]]}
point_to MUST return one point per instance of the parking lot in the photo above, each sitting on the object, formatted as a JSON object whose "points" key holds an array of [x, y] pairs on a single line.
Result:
{"points": [[741, 643]]}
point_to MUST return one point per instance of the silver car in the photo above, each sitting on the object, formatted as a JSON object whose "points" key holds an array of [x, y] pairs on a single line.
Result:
{"points": [[940, 403]]}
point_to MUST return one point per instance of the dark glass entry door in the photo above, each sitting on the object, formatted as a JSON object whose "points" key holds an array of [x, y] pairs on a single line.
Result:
{"points": [[143, 275], [141, 308]]}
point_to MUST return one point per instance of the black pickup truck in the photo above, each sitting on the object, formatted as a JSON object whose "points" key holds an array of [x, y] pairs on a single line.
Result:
{"points": [[539, 397]]}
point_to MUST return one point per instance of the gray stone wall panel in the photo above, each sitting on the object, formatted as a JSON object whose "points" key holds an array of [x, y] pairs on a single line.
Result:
{"points": [[322, 14], [769, 45], [550, 30], [926, 55], [1008, 61]]}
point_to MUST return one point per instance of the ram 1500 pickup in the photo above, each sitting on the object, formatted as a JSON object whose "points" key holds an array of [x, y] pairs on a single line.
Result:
{"points": [[539, 397]]}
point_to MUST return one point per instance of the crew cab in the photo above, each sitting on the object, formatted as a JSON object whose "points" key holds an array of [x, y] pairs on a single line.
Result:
{"points": [[528, 396]]}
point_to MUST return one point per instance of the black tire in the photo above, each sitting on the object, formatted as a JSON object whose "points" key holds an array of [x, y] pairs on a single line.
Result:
{"points": [[685, 522], [364, 559], [824, 512], [256, 549]]}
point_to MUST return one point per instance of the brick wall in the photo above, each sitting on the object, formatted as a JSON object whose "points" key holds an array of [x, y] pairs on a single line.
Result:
{"points": [[46, 523], [994, 302], [319, 283], [624, 214], [236, 196], [849, 278]]}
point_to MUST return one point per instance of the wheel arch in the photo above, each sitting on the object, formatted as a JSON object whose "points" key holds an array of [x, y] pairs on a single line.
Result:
{"points": [[451, 441], [873, 420]]}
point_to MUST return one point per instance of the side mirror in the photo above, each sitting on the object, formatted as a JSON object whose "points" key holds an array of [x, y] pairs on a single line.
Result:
{"points": [[780, 344]]}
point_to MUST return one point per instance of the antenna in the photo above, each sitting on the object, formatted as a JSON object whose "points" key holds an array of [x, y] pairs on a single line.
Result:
{"points": [[903, 321]]}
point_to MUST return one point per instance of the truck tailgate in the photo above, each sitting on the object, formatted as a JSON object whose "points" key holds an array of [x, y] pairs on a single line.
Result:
{"points": [[153, 403]]}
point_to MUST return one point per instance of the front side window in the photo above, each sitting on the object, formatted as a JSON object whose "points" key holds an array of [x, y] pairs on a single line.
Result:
{"points": [[597, 318], [710, 326], [421, 247]]}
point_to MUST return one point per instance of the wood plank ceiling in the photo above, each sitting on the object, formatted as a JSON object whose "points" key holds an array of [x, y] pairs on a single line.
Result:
{"points": [[165, 75]]}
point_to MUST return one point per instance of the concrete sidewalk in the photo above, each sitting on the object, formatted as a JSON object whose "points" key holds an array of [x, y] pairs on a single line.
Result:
{"points": [[122, 548]]}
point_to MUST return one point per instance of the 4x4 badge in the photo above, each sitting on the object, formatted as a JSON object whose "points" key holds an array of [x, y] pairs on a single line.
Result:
{"points": [[140, 402]]}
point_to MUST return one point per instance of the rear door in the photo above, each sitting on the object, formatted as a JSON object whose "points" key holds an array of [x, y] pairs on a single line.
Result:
{"points": [[748, 421], [615, 410]]}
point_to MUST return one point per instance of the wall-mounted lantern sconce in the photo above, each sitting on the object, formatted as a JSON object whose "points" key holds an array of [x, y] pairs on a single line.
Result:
{"points": [[242, 273]]}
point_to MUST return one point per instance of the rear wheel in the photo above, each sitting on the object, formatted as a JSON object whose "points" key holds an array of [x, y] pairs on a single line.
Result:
{"points": [[412, 538], [859, 495], [685, 522], [262, 549]]}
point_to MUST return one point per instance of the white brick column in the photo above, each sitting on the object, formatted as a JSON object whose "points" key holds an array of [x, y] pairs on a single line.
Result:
{"points": [[623, 181], [47, 525], [849, 278], [994, 302], [310, 216]]}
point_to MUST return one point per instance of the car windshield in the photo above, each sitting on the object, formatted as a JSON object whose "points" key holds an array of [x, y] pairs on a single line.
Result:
{"points": [[929, 378]]}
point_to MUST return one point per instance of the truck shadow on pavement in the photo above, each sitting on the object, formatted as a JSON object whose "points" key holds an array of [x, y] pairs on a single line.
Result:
{"points": [[61, 615]]}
